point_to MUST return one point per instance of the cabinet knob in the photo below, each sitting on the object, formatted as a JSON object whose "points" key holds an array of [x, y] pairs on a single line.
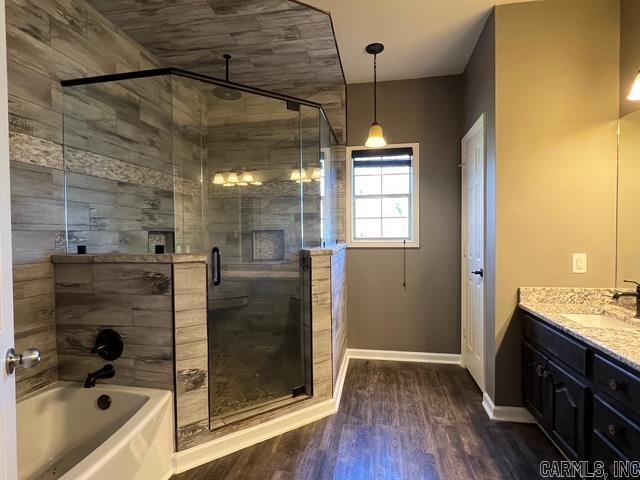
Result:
{"points": [[539, 370], [614, 430], [614, 386]]}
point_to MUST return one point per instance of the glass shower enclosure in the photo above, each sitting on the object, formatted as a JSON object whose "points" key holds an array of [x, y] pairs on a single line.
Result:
{"points": [[175, 162]]}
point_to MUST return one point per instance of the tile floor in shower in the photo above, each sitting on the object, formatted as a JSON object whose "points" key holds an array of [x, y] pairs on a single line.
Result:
{"points": [[253, 360]]}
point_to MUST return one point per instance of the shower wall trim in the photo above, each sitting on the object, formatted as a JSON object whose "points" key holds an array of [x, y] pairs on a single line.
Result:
{"points": [[157, 72]]}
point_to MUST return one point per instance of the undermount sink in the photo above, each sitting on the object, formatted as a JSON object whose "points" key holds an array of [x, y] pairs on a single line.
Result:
{"points": [[597, 321]]}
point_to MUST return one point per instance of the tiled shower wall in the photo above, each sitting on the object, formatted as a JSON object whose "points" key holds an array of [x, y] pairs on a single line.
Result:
{"points": [[338, 308], [260, 135], [47, 42], [61, 39], [135, 299]]}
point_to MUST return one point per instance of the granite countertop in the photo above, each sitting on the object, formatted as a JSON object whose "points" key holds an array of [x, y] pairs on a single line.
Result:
{"points": [[129, 258], [621, 342]]}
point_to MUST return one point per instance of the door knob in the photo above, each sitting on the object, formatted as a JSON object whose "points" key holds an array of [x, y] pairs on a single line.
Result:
{"points": [[479, 272], [27, 359]]}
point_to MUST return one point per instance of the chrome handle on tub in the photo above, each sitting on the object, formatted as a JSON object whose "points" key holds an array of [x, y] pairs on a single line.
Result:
{"points": [[27, 359]]}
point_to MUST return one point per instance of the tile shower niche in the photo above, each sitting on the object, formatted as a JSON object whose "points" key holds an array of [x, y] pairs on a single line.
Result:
{"points": [[162, 158]]}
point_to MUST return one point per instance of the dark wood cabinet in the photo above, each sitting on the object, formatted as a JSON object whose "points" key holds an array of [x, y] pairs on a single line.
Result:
{"points": [[587, 402], [566, 410], [534, 365]]}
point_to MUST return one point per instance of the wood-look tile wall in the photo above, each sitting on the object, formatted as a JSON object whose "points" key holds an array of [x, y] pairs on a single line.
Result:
{"points": [[320, 360], [159, 309], [47, 42], [261, 135], [133, 152], [338, 308], [59, 39], [135, 299], [192, 358], [276, 45], [321, 326]]}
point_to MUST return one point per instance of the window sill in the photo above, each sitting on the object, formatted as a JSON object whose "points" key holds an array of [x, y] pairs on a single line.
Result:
{"points": [[383, 245]]}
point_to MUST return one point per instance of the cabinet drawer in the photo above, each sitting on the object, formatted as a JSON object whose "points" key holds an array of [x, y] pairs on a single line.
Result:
{"points": [[617, 383], [616, 428], [602, 450], [571, 352]]}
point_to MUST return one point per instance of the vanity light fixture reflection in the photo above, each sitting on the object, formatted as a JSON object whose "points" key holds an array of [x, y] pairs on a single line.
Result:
{"points": [[232, 180], [299, 175], [295, 175], [248, 178], [316, 174], [235, 178], [218, 179], [634, 94]]}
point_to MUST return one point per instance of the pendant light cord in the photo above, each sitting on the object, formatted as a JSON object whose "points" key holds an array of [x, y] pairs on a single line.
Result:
{"points": [[404, 271], [375, 88]]}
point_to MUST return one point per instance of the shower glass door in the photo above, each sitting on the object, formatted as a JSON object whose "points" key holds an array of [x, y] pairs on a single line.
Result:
{"points": [[253, 229]]}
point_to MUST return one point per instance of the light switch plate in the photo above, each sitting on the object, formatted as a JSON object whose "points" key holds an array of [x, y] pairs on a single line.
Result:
{"points": [[579, 263]]}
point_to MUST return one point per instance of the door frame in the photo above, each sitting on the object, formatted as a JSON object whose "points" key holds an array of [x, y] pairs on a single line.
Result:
{"points": [[479, 124], [8, 438]]}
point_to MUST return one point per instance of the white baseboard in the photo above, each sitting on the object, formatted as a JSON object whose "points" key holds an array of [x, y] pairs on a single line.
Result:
{"points": [[506, 414], [207, 452], [397, 356]]}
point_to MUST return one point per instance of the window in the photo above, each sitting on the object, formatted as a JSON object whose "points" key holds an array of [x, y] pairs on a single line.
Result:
{"points": [[383, 194]]}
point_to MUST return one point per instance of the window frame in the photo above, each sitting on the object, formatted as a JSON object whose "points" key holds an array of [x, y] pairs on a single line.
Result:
{"points": [[414, 200]]}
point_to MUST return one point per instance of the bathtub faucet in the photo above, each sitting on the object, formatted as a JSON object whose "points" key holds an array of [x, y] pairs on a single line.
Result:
{"points": [[105, 372]]}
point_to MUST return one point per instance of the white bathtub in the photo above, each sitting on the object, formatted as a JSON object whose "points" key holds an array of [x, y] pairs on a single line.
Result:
{"points": [[63, 434]]}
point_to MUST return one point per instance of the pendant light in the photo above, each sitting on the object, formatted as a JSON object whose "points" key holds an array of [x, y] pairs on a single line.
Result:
{"points": [[634, 94], [376, 136]]}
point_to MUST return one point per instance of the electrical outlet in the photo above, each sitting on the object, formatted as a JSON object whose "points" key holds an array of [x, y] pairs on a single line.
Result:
{"points": [[579, 263]]}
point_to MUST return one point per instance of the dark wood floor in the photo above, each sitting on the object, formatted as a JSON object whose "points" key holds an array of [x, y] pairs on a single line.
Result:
{"points": [[396, 421]]}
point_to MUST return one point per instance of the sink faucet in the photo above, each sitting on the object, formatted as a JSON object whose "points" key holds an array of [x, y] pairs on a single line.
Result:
{"points": [[636, 294], [105, 372]]}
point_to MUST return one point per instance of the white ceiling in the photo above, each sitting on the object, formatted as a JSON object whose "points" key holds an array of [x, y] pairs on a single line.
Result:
{"points": [[422, 38]]}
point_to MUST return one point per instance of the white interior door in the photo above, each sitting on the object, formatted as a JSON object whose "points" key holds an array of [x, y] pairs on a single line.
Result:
{"points": [[473, 164], [8, 454]]}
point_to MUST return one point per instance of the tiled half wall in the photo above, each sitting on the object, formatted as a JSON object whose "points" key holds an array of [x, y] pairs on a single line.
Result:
{"points": [[158, 303]]}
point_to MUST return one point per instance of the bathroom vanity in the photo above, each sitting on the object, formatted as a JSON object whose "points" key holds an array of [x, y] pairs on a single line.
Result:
{"points": [[581, 371]]}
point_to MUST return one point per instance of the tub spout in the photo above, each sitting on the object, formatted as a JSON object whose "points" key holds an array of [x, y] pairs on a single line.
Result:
{"points": [[105, 372]]}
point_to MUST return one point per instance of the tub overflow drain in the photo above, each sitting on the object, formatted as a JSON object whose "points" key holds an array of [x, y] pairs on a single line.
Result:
{"points": [[104, 402]]}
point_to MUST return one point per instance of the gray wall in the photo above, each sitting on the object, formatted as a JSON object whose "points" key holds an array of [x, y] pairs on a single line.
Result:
{"points": [[426, 316], [479, 84]]}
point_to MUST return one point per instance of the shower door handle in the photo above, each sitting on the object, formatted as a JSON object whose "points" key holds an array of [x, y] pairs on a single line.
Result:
{"points": [[215, 266]]}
